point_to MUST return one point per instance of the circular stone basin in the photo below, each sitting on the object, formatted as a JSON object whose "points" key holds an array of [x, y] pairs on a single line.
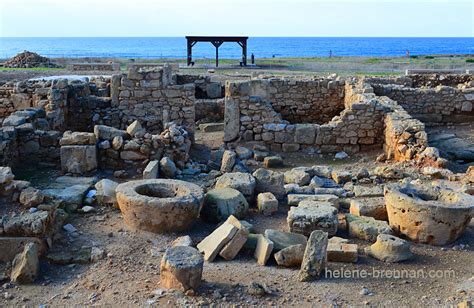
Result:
{"points": [[159, 205], [430, 215]]}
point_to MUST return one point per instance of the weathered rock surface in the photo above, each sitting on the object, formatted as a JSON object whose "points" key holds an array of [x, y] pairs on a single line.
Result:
{"points": [[342, 252], [220, 203], [232, 248], [106, 192], [281, 239], [159, 205], [181, 268], [267, 204], [151, 170], [295, 199], [298, 177], [213, 243], [371, 207], [272, 161], [389, 248], [185, 240], [313, 215], [25, 266], [291, 256], [366, 228], [432, 215], [77, 138], [168, 167], [263, 250], [31, 197], [78, 159], [28, 224], [243, 182], [314, 259], [270, 181], [228, 161]]}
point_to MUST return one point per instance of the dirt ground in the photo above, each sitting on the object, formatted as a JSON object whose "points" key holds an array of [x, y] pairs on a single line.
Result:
{"points": [[129, 273]]}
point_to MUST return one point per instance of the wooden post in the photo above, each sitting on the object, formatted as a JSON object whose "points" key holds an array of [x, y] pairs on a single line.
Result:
{"points": [[190, 53], [244, 52]]}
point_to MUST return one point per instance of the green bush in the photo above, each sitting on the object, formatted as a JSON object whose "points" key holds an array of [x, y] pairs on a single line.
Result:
{"points": [[470, 60], [429, 57], [414, 57]]}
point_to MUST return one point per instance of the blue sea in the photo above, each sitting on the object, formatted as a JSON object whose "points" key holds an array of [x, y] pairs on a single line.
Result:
{"points": [[261, 47]]}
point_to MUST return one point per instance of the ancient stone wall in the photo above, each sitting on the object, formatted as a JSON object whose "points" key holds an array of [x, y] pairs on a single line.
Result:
{"points": [[206, 88], [301, 101], [150, 96], [432, 105], [210, 110], [434, 80], [25, 136], [253, 118]]}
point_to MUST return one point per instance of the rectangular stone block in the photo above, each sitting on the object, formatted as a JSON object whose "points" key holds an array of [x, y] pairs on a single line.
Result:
{"points": [[371, 207], [232, 248], [213, 243], [263, 250], [151, 170], [78, 159], [342, 252]]}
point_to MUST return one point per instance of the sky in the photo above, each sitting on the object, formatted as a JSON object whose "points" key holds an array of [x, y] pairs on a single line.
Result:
{"points": [[376, 18]]}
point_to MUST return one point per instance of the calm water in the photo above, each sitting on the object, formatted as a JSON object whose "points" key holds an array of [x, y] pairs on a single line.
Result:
{"points": [[175, 47]]}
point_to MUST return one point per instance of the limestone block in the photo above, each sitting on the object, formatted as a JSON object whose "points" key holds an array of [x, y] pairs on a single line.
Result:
{"points": [[366, 228], [314, 259], [389, 248], [181, 268], [267, 203], [220, 203], [25, 266], [263, 249], [213, 243], [295, 199], [78, 159], [243, 182], [151, 170], [232, 248], [77, 138], [281, 239], [270, 181], [313, 215], [342, 252], [291, 256], [297, 177], [371, 207]]}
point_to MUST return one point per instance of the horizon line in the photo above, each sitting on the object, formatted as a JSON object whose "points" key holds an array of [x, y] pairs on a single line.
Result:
{"points": [[249, 36]]}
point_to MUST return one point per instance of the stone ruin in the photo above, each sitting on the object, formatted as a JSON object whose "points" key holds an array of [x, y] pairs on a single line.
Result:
{"points": [[143, 124]]}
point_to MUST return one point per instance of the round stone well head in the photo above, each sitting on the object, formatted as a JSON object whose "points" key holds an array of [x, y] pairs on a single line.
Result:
{"points": [[428, 214], [159, 205]]}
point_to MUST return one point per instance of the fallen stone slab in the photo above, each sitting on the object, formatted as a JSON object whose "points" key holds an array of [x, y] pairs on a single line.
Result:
{"points": [[108, 133], [322, 182], [366, 228], [281, 239], [229, 159], [263, 250], [371, 207], [291, 256], [314, 259], [296, 189], [181, 268], [214, 242], [232, 248], [342, 252], [321, 171], [313, 215], [31, 197], [295, 199], [267, 204], [341, 177], [389, 248], [25, 266], [366, 191], [168, 168], [220, 203], [72, 195], [80, 255]]}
